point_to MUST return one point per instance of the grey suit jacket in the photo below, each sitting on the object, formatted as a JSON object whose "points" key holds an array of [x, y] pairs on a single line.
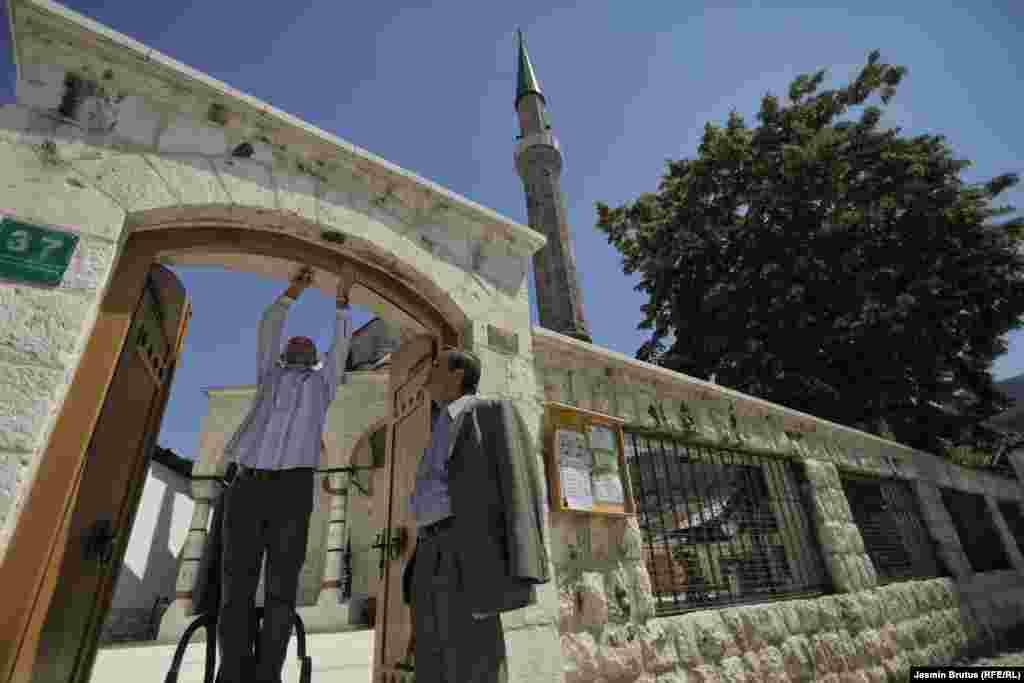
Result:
{"points": [[496, 501]]}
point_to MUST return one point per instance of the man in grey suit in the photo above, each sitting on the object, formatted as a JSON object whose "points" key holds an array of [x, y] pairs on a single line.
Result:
{"points": [[267, 506], [480, 548]]}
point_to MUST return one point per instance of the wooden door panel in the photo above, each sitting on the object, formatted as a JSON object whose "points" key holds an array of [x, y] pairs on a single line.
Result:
{"points": [[108, 490], [409, 436]]}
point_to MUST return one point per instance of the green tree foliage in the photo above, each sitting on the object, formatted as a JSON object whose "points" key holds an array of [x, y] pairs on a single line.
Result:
{"points": [[831, 265]]}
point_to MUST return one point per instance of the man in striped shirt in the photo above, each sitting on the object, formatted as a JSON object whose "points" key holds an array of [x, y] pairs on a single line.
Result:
{"points": [[269, 502]]}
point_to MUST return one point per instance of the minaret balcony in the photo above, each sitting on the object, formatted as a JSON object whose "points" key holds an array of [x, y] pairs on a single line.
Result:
{"points": [[536, 140]]}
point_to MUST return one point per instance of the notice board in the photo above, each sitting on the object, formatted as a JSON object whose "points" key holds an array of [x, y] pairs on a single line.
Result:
{"points": [[585, 460]]}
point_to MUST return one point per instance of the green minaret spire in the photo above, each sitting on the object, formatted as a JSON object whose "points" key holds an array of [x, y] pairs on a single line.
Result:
{"points": [[527, 81]]}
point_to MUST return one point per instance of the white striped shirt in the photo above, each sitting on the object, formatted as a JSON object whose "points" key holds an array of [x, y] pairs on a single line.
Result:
{"points": [[286, 421]]}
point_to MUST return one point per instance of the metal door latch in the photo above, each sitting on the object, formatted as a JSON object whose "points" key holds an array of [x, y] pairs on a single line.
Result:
{"points": [[389, 544], [99, 541]]}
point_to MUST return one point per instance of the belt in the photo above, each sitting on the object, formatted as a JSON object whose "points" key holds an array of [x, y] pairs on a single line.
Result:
{"points": [[266, 475], [431, 530]]}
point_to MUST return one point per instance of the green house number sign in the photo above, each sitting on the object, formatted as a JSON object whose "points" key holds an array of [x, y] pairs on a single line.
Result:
{"points": [[32, 253]]}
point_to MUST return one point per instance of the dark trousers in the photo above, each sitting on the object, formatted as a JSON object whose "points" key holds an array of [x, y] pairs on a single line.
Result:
{"points": [[261, 516], [451, 645]]}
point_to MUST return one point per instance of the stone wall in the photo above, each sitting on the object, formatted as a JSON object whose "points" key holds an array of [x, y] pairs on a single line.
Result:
{"points": [[873, 635], [859, 632]]}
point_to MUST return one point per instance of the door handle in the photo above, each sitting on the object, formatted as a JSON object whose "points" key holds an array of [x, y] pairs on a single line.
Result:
{"points": [[99, 541], [380, 545], [397, 543], [389, 545]]}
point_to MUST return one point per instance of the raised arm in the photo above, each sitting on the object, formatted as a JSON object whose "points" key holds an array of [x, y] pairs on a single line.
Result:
{"points": [[334, 361], [271, 326]]}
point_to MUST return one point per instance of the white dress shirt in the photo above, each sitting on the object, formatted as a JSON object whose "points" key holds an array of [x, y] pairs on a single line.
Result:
{"points": [[285, 423]]}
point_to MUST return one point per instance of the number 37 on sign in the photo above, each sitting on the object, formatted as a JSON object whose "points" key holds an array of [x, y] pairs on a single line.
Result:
{"points": [[34, 253]]}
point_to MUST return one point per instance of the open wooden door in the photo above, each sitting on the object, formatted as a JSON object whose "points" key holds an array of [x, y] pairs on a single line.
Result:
{"points": [[107, 493], [409, 436]]}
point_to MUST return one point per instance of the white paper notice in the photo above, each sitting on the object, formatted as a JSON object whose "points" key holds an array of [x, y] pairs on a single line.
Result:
{"points": [[608, 489], [602, 438], [576, 490], [572, 448]]}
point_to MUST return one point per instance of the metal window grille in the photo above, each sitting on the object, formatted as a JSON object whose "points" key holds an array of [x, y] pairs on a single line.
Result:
{"points": [[1011, 511], [978, 534], [895, 537], [720, 526]]}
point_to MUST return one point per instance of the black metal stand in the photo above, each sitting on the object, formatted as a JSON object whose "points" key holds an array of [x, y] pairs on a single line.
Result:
{"points": [[209, 622]]}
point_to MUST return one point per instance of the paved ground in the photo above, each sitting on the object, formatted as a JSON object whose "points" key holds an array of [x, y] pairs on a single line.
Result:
{"points": [[337, 658]]}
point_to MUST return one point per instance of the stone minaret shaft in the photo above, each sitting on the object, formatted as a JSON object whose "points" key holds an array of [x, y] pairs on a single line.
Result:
{"points": [[539, 163]]}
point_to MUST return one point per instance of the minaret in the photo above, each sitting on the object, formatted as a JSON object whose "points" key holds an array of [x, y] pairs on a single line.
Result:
{"points": [[539, 163]]}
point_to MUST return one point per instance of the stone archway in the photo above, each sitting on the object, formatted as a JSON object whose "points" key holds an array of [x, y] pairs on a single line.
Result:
{"points": [[37, 542], [272, 242]]}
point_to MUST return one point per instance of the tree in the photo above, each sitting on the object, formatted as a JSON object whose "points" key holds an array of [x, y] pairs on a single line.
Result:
{"points": [[831, 265]]}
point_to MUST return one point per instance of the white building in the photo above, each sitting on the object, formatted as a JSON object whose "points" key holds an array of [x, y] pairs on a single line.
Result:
{"points": [[145, 584]]}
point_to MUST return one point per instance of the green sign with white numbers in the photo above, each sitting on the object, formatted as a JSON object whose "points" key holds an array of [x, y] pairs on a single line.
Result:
{"points": [[33, 253]]}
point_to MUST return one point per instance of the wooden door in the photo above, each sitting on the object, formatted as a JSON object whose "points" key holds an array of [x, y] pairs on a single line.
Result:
{"points": [[409, 436], [110, 485]]}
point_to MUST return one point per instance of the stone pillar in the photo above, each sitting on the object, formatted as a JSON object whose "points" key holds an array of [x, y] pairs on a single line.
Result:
{"points": [[1013, 553], [180, 613], [337, 536], [794, 535], [940, 526], [330, 614], [842, 546]]}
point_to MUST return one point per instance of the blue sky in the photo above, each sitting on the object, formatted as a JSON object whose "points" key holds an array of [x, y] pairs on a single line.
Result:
{"points": [[431, 89]]}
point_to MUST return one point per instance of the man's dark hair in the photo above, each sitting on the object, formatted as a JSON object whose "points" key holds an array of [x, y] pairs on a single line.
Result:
{"points": [[464, 360]]}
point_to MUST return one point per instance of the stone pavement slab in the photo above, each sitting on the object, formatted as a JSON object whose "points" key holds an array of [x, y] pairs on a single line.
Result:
{"points": [[337, 657]]}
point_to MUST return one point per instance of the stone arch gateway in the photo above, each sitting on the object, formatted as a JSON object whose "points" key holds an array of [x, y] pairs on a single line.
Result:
{"points": [[147, 160]]}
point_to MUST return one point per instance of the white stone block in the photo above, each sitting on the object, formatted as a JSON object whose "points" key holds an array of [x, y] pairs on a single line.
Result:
{"points": [[129, 179], [297, 194], [137, 124], [190, 178], [444, 242], [40, 86], [337, 209], [185, 136], [248, 183], [40, 327], [25, 395], [262, 152], [15, 119], [35, 191], [90, 265], [504, 269]]}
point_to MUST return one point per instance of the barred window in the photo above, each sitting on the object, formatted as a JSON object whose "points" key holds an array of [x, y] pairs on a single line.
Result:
{"points": [[1011, 510], [895, 538], [978, 534], [721, 526]]}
